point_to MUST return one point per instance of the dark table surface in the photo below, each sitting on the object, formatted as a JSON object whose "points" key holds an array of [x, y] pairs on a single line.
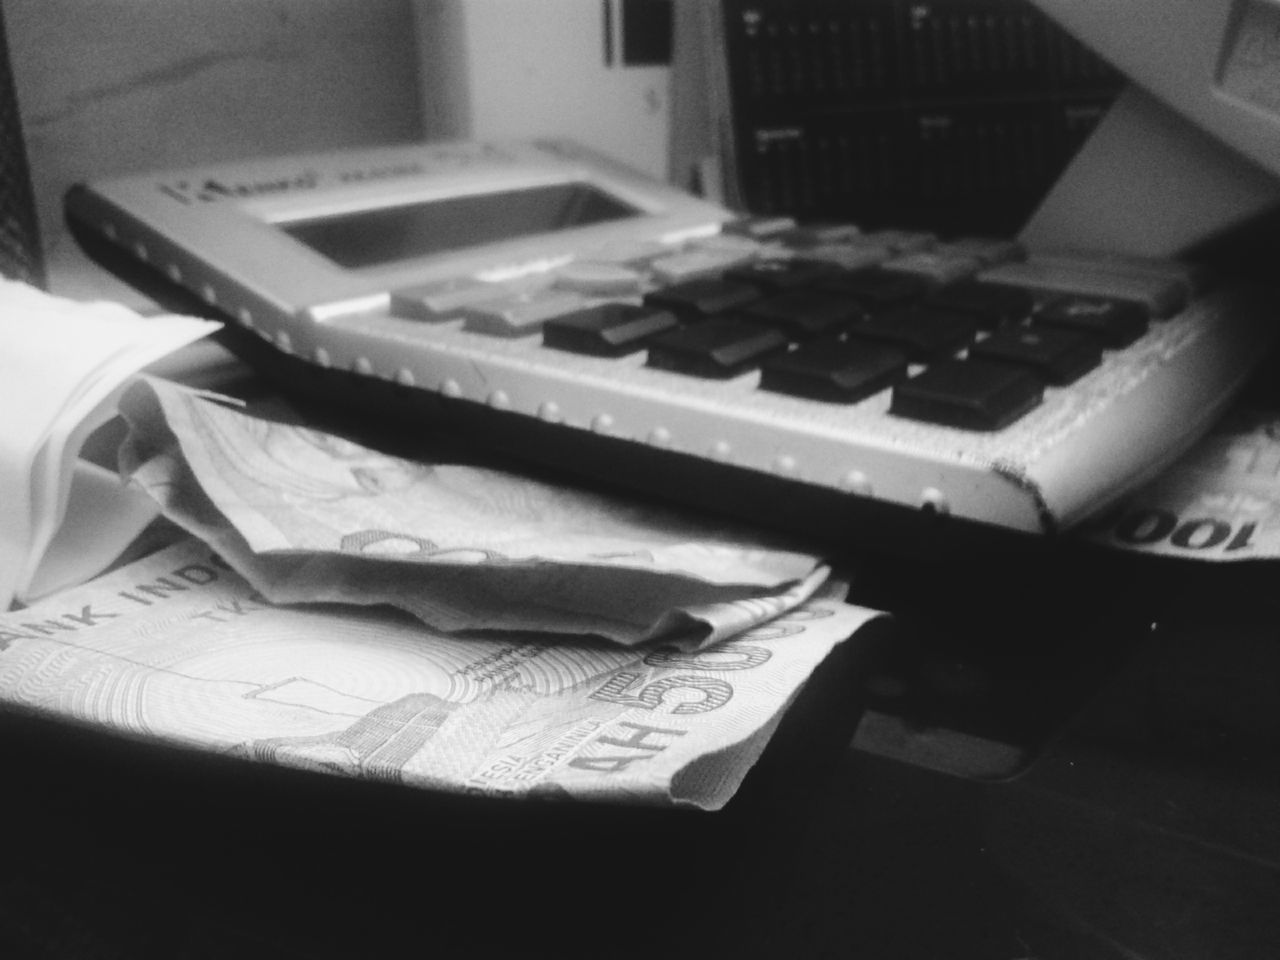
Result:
{"points": [[1142, 822]]}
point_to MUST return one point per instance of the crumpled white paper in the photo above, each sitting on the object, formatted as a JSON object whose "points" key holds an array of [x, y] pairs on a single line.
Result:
{"points": [[63, 364]]}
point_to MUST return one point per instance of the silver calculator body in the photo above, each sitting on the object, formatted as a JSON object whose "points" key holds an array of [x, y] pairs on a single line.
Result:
{"points": [[437, 269]]}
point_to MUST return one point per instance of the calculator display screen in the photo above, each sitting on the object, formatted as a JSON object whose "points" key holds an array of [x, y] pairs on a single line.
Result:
{"points": [[369, 238]]}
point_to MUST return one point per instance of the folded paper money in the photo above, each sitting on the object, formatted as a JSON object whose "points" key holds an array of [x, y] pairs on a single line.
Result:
{"points": [[307, 516], [1220, 501], [180, 649]]}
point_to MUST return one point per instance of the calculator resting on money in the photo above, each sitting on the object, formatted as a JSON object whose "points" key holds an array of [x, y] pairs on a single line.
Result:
{"points": [[563, 308]]}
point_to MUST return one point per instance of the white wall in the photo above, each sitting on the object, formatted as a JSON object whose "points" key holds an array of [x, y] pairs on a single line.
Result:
{"points": [[116, 86], [523, 68]]}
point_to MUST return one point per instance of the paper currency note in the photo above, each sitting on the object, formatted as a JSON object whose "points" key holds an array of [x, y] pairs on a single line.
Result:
{"points": [[307, 516], [179, 648], [1220, 502]]}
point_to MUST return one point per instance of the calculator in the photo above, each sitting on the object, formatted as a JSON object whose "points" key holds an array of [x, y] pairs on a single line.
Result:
{"points": [[557, 305]]}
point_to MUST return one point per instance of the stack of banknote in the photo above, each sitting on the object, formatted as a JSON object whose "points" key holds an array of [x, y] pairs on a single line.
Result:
{"points": [[439, 624], [325, 604]]}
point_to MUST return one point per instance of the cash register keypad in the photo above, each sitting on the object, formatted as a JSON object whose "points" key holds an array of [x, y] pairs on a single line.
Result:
{"points": [[966, 334]]}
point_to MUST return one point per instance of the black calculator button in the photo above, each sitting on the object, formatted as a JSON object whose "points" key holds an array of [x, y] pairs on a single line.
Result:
{"points": [[924, 333], [607, 329], [1117, 323], [773, 275], [992, 304], [971, 394], [804, 314], [876, 288], [719, 347], [1058, 356], [834, 370], [704, 297]]}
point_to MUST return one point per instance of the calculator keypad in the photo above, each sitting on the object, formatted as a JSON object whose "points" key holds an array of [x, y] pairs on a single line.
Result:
{"points": [[965, 334]]}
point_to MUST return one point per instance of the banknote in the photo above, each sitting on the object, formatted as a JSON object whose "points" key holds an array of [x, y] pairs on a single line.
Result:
{"points": [[179, 648], [306, 515], [1220, 502]]}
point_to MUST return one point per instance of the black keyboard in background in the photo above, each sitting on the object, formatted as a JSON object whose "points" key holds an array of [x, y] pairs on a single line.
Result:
{"points": [[954, 116]]}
